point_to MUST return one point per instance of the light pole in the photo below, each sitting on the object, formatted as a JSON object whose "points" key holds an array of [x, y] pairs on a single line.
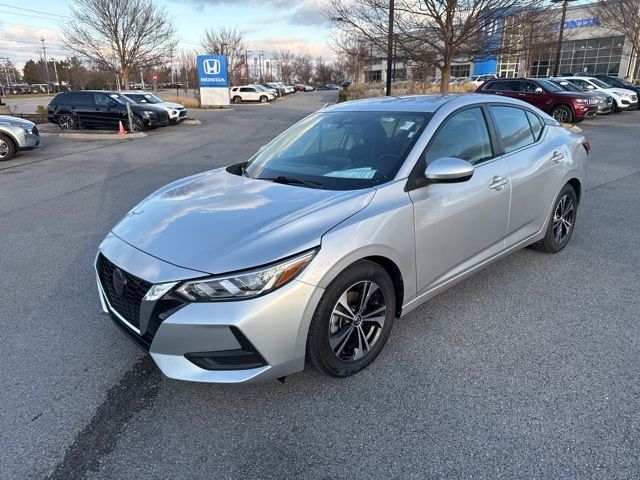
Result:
{"points": [[260, 65], [246, 64], [565, 3]]}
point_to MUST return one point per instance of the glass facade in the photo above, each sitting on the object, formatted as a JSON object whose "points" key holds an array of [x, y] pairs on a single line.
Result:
{"points": [[461, 70], [588, 57]]}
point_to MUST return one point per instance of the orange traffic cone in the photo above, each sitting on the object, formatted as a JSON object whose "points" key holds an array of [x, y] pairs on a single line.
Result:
{"points": [[121, 129]]}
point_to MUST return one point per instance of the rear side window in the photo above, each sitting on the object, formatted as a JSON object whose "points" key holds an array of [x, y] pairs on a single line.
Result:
{"points": [[463, 135], [505, 86], [513, 127], [80, 98], [536, 125]]}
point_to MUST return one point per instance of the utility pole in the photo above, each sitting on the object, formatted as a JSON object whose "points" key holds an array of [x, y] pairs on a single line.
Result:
{"points": [[246, 65], [260, 64], [55, 69], [556, 67], [46, 65], [390, 37]]}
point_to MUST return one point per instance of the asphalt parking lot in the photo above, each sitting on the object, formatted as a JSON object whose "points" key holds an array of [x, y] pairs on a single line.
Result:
{"points": [[528, 369]]}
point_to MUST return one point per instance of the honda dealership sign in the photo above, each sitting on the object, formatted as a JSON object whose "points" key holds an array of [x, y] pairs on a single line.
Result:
{"points": [[214, 81]]}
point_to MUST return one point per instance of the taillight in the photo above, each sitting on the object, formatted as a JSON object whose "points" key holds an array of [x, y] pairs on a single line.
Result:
{"points": [[587, 146]]}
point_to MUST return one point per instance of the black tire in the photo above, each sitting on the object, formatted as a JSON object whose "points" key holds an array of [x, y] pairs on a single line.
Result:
{"points": [[7, 148], [137, 124], [552, 241], [263, 99], [616, 108], [562, 114], [66, 121], [342, 360], [237, 99]]}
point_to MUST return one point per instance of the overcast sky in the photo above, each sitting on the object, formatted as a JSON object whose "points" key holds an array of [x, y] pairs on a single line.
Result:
{"points": [[266, 24]]}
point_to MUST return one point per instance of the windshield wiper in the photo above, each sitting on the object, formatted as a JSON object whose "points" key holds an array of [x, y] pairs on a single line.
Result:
{"points": [[291, 180]]}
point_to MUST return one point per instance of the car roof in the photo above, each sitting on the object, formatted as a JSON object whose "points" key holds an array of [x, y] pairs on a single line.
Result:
{"points": [[418, 103]]}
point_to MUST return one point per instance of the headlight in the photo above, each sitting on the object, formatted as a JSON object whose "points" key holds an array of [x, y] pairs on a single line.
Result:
{"points": [[27, 130], [245, 284], [622, 94], [582, 100]]}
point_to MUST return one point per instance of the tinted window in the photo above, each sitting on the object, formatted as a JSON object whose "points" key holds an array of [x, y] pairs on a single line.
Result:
{"points": [[529, 87], [513, 127], [536, 124], [464, 135], [247, 89], [80, 98], [136, 97], [506, 86], [549, 86], [102, 100]]}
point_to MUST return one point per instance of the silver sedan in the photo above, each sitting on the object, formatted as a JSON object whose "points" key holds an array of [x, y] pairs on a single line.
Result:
{"points": [[347, 221]]}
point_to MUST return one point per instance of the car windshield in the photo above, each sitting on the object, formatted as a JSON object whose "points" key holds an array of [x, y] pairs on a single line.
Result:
{"points": [[150, 98], [569, 86], [340, 150], [599, 83], [550, 86]]}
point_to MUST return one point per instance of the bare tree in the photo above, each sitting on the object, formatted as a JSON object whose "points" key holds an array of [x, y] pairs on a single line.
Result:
{"points": [[353, 51], [229, 42], [622, 16], [119, 35], [285, 59], [302, 69], [440, 32]]}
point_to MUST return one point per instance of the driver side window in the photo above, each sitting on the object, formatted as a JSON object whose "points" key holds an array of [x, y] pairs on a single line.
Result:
{"points": [[463, 135]]}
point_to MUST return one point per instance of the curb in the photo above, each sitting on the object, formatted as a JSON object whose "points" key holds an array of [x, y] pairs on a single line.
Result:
{"points": [[190, 121], [95, 136]]}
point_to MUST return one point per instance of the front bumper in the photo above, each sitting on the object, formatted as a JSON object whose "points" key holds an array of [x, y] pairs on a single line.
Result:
{"points": [[24, 140], [267, 333]]}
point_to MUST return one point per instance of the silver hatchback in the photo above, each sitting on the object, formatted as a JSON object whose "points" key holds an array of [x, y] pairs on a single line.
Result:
{"points": [[348, 220]]}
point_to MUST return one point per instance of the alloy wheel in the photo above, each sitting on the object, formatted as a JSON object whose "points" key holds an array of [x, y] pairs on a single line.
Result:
{"points": [[357, 321], [65, 122], [563, 219], [4, 148], [561, 115]]}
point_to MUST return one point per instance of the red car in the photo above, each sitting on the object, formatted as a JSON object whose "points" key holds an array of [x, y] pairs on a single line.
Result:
{"points": [[564, 106]]}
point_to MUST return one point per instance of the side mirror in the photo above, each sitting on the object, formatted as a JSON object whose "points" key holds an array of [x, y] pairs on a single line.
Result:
{"points": [[449, 170], [539, 90]]}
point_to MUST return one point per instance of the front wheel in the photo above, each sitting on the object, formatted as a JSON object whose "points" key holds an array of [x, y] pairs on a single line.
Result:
{"points": [[263, 99], [561, 223], [137, 125], [562, 114], [7, 148], [352, 321]]}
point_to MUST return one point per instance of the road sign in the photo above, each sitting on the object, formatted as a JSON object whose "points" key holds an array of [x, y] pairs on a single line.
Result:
{"points": [[212, 71]]}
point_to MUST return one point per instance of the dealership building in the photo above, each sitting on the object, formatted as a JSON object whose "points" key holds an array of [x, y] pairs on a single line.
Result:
{"points": [[589, 47]]}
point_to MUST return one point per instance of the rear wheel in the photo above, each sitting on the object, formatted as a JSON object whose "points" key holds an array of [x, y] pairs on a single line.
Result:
{"points": [[7, 148], [562, 113], [263, 99], [561, 223], [67, 122], [237, 99], [352, 321]]}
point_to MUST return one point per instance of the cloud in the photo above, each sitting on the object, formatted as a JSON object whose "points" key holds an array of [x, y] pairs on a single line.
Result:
{"points": [[20, 43], [298, 45]]}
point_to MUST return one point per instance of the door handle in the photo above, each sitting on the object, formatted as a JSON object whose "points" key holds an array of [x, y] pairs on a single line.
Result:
{"points": [[556, 157], [498, 182]]}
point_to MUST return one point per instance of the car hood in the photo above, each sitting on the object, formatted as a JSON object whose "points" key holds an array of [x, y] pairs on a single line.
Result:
{"points": [[218, 222], [171, 105], [140, 107], [20, 121]]}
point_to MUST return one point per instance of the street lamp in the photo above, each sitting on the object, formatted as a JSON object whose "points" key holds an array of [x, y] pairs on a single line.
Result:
{"points": [[260, 64], [565, 3], [246, 64]]}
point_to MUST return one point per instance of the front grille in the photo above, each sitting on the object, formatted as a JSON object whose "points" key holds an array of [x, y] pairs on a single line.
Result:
{"points": [[127, 303], [183, 113]]}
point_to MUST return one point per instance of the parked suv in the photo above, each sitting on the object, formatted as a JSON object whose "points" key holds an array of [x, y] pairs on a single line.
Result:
{"points": [[624, 99], [17, 134], [250, 94], [103, 109], [605, 101], [618, 82], [176, 111], [564, 106]]}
